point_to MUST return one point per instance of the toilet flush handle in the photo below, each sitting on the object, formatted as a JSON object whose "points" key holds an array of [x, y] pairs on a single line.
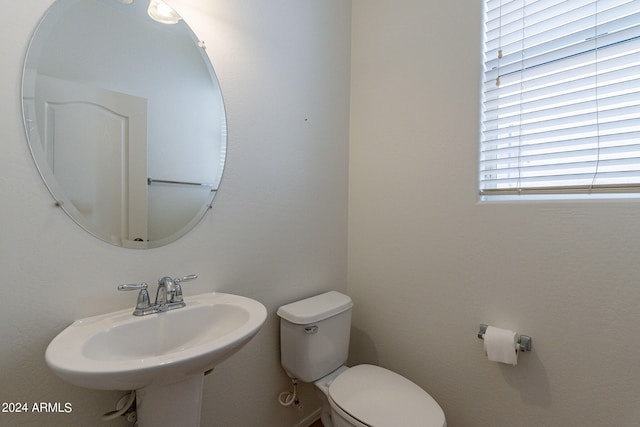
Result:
{"points": [[311, 329]]}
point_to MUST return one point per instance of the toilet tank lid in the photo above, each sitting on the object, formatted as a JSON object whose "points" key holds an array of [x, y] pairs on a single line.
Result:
{"points": [[315, 308]]}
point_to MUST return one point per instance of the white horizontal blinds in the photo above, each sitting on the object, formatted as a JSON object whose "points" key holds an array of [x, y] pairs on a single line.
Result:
{"points": [[561, 106]]}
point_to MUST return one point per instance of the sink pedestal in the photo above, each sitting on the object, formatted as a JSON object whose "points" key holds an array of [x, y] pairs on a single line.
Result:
{"points": [[168, 405]]}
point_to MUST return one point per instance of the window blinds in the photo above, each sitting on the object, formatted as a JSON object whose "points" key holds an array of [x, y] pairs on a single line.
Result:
{"points": [[561, 97]]}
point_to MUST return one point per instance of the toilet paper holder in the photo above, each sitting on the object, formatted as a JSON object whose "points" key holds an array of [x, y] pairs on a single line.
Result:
{"points": [[524, 341]]}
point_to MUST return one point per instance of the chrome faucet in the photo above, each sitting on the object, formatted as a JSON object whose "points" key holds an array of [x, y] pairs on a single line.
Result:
{"points": [[168, 295]]}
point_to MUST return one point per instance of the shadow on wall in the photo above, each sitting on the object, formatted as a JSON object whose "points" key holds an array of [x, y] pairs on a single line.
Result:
{"points": [[534, 389], [362, 349]]}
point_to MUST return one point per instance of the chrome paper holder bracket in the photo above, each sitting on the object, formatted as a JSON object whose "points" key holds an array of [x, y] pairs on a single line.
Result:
{"points": [[524, 341]]}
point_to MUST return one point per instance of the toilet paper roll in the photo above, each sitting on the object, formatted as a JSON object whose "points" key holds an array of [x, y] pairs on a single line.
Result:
{"points": [[501, 345]]}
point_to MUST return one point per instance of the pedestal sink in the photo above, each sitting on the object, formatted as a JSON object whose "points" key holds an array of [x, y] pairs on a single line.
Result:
{"points": [[162, 356]]}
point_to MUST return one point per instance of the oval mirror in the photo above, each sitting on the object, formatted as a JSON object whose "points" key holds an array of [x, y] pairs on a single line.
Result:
{"points": [[124, 118]]}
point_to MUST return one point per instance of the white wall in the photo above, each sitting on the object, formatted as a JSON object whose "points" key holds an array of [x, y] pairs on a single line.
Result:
{"points": [[277, 231], [428, 263]]}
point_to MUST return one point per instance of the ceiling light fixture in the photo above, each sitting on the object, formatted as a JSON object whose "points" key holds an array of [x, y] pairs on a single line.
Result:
{"points": [[161, 12]]}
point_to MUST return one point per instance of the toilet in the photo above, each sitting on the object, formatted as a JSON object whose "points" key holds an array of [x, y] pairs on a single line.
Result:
{"points": [[314, 345]]}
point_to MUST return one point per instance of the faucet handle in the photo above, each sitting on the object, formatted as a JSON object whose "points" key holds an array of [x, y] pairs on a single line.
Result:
{"points": [[143, 304], [132, 287], [185, 278], [177, 281]]}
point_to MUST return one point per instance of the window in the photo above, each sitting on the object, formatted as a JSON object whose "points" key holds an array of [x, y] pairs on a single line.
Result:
{"points": [[561, 97]]}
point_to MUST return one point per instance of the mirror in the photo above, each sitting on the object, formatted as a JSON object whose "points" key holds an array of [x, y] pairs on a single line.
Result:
{"points": [[125, 120]]}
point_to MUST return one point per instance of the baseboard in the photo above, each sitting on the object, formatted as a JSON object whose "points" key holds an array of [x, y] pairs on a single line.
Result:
{"points": [[310, 419]]}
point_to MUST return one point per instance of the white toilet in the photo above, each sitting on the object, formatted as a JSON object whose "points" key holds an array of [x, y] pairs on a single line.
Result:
{"points": [[314, 344]]}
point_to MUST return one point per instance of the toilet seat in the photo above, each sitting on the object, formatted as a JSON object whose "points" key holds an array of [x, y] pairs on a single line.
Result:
{"points": [[375, 396]]}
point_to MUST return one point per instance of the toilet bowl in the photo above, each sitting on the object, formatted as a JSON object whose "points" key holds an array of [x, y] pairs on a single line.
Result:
{"points": [[368, 395], [314, 341]]}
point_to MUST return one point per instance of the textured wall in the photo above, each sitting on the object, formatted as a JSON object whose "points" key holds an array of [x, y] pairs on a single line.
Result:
{"points": [[428, 263], [277, 231]]}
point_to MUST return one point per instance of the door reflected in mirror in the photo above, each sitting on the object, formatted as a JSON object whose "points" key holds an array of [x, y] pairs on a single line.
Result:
{"points": [[125, 120]]}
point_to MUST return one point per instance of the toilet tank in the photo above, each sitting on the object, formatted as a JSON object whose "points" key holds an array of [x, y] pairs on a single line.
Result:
{"points": [[314, 335]]}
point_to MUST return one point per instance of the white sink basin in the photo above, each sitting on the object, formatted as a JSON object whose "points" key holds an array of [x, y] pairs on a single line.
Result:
{"points": [[119, 351]]}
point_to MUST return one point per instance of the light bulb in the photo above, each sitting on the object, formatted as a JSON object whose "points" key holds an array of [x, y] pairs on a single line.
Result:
{"points": [[161, 12]]}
